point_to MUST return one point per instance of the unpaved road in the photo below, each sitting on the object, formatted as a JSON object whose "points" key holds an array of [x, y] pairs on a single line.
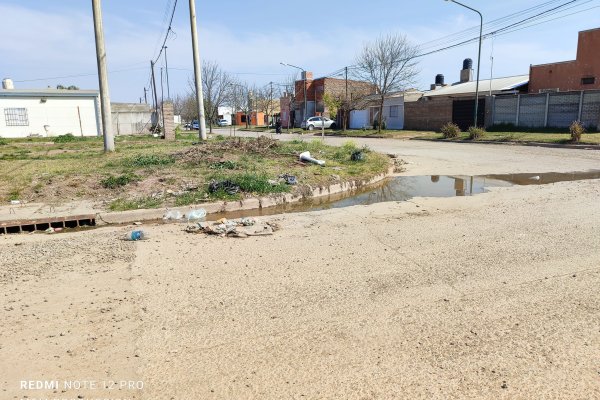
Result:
{"points": [[492, 296]]}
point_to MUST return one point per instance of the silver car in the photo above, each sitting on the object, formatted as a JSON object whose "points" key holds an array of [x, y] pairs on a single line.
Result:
{"points": [[317, 123]]}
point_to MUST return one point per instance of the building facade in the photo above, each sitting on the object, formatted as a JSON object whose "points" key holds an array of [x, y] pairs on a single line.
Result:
{"points": [[583, 73]]}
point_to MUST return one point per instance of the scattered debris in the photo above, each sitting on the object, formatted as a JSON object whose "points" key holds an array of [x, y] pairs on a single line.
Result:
{"points": [[306, 157], [195, 214], [137, 223], [227, 186], [357, 155], [136, 235], [15, 202], [238, 228], [172, 215], [289, 179], [398, 164]]}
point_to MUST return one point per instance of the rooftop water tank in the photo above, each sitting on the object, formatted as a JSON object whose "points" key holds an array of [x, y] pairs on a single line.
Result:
{"points": [[439, 79], [467, 63], [7, 84]]}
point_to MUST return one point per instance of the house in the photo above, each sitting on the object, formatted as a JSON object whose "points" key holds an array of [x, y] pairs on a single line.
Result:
{"points": [[583, 73], [444, 103], [48, 112], [367, 111], [255, 118], [316, 89], [225, 113]]}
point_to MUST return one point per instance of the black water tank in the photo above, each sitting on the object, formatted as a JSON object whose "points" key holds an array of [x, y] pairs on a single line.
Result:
{"points": [[467, 63], [439, 79]]}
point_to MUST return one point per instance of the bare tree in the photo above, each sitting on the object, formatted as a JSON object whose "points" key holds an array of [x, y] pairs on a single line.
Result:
{"points": [[266, 100], [389, 64], [216, 85]]}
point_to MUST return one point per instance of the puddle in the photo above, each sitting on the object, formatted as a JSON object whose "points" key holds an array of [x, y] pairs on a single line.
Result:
{"points": [[404, 188]]}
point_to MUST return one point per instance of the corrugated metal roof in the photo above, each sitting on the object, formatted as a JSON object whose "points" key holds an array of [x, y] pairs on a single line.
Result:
{"points": [[498, 85], [47, 93]]}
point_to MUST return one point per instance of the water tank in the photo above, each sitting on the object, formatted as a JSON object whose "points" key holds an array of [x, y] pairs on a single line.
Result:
{"points": [[467, 63], [439, 79], [8, 84]]}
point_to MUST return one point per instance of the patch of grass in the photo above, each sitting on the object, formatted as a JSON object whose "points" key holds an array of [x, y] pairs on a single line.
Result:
{"points": [[255, 183], [194, 197], [223, 165], [135, 204], [149, 160], [14, 194], [113, 182], [3, 142]]}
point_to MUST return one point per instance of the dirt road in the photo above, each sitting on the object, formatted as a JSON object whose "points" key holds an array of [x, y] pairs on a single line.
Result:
{"points": [[491, 296]]}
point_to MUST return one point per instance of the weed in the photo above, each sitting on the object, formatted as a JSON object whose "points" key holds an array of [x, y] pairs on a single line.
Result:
{"points": [[14, 194], [450, 130], [223, 165], [113, 182], [576, 129], [134, 204], [67, 138], [148, 160], [195, 197], [253, 183], [3, 142], [476, 133], [220, 138]]}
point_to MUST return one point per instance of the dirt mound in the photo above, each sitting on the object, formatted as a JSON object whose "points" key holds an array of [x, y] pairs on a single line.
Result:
{"points": [[215, 151]]}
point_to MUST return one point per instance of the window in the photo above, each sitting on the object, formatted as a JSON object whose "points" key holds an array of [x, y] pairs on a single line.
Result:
{"points": [[588, 80], [16, 117], [394, 111]]}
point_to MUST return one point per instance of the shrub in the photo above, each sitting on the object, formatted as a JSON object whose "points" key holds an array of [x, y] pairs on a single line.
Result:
{"points": [[3, 142], [576, 129], [476, 133], [66, 138], [450, 130], [113, 182]]}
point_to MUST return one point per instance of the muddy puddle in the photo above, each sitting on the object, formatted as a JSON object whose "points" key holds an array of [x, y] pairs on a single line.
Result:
{"points": [[404, 188]]}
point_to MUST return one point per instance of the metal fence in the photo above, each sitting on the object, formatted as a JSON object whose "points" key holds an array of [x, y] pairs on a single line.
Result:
{"points": [[548, 110]]}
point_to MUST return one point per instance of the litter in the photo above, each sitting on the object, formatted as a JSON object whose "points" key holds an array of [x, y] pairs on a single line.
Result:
{"points": [[15, 202], [195, 214], [136, 235], [227, 186], [238, 228], [357, 155], [306, 157], [172, 215], [289, 179]]}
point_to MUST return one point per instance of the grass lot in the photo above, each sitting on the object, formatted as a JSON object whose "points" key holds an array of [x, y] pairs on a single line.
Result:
{"points": [[146, 172]]}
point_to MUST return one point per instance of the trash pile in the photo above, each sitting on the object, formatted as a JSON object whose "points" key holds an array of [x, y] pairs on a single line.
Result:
{"points": [[209, 152], [238, 228]]}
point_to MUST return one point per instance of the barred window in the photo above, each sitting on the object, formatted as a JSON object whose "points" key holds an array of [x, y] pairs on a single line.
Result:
{"points": [[16, 117], [394, 111], [588, 80]]}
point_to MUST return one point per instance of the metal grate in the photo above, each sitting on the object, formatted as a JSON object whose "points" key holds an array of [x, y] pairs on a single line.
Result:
{"points": [[16, 117]]}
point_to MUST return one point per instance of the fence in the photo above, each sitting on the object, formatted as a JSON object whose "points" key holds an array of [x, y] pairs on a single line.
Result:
{"points": [[548, 110]]}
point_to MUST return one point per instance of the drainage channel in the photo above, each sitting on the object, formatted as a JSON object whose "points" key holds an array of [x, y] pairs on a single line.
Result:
{"points": [[70, 222], [400, 188]]}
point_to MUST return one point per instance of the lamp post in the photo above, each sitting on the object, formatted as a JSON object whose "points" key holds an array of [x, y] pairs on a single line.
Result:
{"points": [[304, 79], [478, 56]]}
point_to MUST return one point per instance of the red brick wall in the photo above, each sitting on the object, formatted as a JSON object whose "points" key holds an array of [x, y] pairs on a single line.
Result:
{"points": [[427, 115], [567, 75]]}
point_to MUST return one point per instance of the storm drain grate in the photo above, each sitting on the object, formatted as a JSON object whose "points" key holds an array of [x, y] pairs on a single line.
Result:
{"points": [[33, 225]]}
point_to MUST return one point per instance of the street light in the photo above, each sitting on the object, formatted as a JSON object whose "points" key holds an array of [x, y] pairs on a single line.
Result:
{"points": [[478, 56], [304, 73]]}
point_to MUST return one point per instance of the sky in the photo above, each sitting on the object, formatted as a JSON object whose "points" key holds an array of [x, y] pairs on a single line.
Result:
{"points": [[45, 43]]}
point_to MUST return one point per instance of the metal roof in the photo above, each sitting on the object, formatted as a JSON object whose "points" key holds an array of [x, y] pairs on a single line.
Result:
{"points": [[498, 85], [47, 93]]}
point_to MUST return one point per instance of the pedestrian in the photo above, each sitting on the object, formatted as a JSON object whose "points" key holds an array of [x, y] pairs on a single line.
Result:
{"points": [[278, 127]]}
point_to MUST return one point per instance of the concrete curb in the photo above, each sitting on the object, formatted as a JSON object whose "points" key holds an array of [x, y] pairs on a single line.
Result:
{"points": [[508, 143], [123, 217]]}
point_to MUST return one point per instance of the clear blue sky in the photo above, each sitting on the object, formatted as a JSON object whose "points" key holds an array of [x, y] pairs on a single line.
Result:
{"points": [[42, 39]]}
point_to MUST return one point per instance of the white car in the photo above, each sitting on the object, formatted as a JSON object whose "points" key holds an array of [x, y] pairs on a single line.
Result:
{"points": [[317, 123], [223, 122]]}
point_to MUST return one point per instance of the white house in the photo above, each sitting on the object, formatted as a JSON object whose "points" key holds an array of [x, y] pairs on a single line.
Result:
{"points": [[225, 113], [49, 112], [367, 114]]}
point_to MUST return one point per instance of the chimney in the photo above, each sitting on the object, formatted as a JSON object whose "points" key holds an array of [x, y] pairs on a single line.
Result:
{"points": [[7, 84], [466, 74]]}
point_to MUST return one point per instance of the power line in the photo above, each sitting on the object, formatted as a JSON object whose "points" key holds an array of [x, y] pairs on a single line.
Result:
{"points": [[78, 75], [169, 30]]}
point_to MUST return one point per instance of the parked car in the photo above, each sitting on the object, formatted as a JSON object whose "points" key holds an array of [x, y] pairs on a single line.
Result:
{"points": [[195, 125], [223, 122], [317, 123]]}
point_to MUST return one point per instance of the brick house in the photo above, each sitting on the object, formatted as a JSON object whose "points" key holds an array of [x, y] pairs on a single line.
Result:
{"points": [[315, 90], [583, 73]]}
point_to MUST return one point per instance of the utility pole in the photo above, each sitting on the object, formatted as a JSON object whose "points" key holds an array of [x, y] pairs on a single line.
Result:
{"points": [[167, 73], [145, 95], [162, 101], [155, 98], [346, 106], [109, 141], [197, 72]]}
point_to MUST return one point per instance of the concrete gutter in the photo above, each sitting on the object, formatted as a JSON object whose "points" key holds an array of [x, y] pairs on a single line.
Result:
{"points": [[123, 217]]}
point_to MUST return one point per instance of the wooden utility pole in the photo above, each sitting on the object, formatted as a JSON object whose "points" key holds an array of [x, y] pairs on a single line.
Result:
{"points": [[197, 73], [109, 141]]}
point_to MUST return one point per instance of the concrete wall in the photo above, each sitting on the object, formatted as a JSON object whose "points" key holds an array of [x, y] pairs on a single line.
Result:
{"points": [[566, 76], [131, 118], [427, 114], [552, 110], [359, 119], [396, 122], [51, 116]]}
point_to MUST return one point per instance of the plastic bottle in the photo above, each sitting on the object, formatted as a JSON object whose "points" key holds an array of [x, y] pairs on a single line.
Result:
{"points": [[135, 235], [172, 214], [196, 214]]}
